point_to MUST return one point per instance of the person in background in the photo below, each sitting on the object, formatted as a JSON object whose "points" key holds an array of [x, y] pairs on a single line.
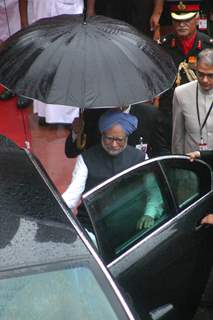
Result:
{"points": [[10, 23], [207, 156], [161, 21], [192, 109], [49, 113], [155, 18], [104, 160], [184, 45], [143, 15], [9, 19]]}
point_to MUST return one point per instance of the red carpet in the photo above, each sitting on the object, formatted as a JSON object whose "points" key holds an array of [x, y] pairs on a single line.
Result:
{"points": [[14, 123]]}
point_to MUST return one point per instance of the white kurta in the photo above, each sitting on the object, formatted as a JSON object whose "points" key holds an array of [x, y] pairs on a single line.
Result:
{"points": [[10, 18], [186, 129], [49, 8]]}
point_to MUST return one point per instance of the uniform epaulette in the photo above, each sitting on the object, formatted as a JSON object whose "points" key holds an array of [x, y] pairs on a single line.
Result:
{"points": [[205, 38], [206, 42]]}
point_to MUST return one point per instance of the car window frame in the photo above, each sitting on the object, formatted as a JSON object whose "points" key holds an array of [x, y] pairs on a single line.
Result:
{"points": [[164, 187], [180, 208], [175, 209]]}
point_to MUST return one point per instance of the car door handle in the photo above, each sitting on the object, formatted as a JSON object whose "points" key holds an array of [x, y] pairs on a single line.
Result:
{"points": [[162, 312], [200, 226]]}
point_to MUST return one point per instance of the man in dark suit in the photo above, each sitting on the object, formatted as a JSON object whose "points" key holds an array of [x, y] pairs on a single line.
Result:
{"points": [[145, 113], [109, 157]]}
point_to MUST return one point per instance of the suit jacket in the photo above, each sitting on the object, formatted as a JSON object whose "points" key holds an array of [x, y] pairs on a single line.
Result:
{"points": [[186, 128], [146, 114]]}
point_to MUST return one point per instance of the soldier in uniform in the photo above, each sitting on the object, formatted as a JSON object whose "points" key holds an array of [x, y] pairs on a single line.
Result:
{"points": [[184, 44]]}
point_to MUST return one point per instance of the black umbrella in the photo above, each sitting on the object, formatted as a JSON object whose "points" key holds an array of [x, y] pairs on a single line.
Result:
{"points": [[98, 63]]}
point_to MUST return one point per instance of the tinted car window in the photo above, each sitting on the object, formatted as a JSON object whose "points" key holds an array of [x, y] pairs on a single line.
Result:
{"points": [[127, 209], [65, 294], [188, 181]]}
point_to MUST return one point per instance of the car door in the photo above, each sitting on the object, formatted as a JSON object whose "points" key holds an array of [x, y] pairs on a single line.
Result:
{"points": [[167, 262], [48, 267]]}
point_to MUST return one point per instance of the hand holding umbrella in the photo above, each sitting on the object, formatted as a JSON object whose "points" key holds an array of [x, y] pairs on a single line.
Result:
{"points": [[78, 129]]}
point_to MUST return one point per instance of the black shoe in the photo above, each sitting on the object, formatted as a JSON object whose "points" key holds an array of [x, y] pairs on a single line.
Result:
{"points": [[23, 102], [42, 122], [6, 95]]}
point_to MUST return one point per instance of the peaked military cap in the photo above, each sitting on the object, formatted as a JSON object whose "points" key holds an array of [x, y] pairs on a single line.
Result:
{"points": [[184, 10]]}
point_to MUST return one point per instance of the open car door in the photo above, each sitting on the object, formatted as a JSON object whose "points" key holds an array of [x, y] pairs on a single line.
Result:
{"points": [[147, 224], [48, 267]]}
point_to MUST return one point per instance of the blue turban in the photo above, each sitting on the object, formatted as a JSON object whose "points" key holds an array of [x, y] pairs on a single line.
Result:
{"points": [[127, 121]]}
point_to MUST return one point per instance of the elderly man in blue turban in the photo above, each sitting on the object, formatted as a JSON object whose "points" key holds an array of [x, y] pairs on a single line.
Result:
{"points": [[103, 161]]}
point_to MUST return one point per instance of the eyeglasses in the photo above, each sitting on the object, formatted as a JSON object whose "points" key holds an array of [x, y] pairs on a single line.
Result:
{"points": [[186, 22], [202, 75], [109, 139]]}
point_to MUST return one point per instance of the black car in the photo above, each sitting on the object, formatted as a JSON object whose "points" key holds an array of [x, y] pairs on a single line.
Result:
{"points": [[48, 267], [164, 264]]}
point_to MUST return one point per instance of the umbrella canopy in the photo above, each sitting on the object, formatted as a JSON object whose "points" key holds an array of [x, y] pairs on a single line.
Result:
{"points": [[98, 63]]}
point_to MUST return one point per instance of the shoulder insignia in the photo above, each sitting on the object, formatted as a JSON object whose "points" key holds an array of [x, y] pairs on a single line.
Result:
{"points": [[205, 38]]}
